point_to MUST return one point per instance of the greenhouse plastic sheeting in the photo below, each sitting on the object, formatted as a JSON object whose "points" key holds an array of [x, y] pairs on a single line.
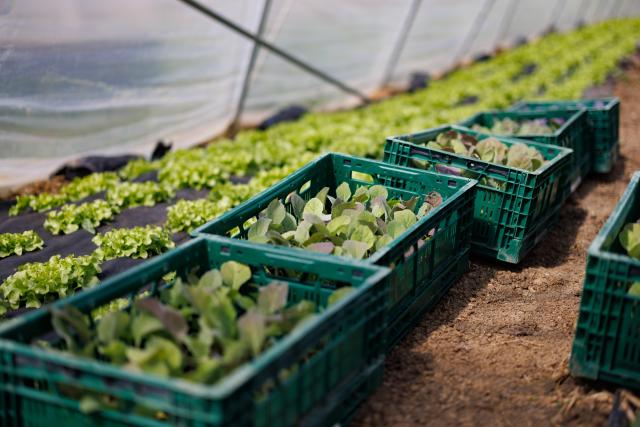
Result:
{"points": [[84, 77]]}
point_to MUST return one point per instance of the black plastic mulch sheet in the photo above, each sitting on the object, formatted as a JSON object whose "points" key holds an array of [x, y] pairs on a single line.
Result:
{"points": [[79, 242]]}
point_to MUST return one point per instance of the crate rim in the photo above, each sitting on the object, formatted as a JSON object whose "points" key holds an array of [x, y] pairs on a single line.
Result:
{"points": [[610, 102], [225, 387], [595, 249], [562, 151], [377, 255], [578, 113]]}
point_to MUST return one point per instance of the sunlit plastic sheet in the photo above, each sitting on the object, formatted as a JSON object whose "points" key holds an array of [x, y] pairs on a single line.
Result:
{"points": [[82, 77]]}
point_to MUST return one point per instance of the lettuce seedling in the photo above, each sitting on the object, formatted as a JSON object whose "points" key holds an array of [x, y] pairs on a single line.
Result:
{"points": [[356, 225], [509, 126], [132, 194], [199, 330], [488, 149], [37, 283], [630, 239], [19, 243], [136, 242], [71, 218]]}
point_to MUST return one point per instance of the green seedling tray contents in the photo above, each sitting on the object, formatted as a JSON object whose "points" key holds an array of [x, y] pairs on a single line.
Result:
{"points": [[213, 333], [603, 126], [514, 206], [563, 128], [415, 222]]}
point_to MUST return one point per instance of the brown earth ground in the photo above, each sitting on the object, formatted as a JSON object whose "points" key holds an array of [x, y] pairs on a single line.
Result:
{"points": [[494, 351]]}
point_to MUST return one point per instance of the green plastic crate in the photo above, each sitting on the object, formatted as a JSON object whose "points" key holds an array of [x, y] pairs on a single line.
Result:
{"points": [[329, 358], [429, 296], [607, 342], [445, 231], [603, 124], [507, 222], [570, 135], [344, 405]]}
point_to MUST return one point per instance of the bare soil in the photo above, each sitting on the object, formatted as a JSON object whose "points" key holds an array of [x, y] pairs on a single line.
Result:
{"points": [[494, 351]]}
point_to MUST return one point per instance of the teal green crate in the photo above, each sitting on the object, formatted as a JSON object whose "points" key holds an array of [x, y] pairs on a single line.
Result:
{"points": [[603, 124], [346, 402], [325, 358], [416, 257], [427, 299], [570, 135], [507, 221], [607, 342]]}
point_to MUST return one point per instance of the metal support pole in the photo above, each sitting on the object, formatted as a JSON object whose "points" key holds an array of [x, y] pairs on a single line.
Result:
{"points": [[275, 50], [506, 19], [400, 41], [473, 31], [246, 81]]}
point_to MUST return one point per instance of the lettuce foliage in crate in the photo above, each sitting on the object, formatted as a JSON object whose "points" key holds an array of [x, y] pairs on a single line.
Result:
{"points": [[199, 329], [356, 225]]}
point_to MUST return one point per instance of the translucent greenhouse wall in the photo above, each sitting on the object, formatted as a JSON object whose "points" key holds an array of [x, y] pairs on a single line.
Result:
{"points": [[83, 77]]}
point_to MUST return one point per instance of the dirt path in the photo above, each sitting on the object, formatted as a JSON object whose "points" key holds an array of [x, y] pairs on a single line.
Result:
{"points": [[495, 350]]}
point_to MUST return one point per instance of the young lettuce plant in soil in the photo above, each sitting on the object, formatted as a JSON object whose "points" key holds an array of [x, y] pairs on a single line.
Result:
{"points": [[132, 194], [630, 240], [187, 215], [19, 243], [137, 167], [136, 242], [37, 283], [76, 190], [199, 330], [70, 218], [91, 215], [509, 126], [488, 149], [356, 225]]}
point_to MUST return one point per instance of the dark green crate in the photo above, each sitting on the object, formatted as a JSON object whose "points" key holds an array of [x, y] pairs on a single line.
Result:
{"points": [[509, 221], [603, 123], [326, 357], [416, 257], [344, 403], [570, 135], [607, 342], [427, 299]]}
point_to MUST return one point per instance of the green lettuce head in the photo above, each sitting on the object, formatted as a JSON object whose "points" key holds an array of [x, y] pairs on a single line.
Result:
{"points": [[630, 239], [518, 157], [491, 150], [524, 157]]}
